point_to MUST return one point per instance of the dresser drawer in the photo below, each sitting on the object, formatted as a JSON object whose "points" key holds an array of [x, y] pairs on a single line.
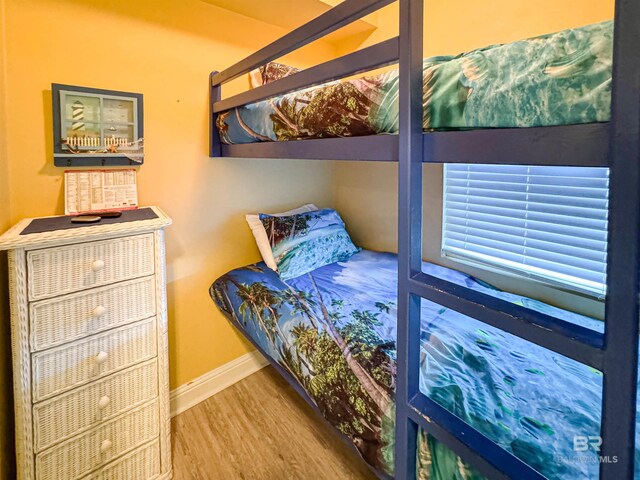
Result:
{"points": [[60, 270], [62, 368], [84, 453], [141, 464], [64, 319], [78, 410]]}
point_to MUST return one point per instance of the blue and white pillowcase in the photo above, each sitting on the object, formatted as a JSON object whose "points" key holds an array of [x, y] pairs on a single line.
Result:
{"points": [[261, 236], [304, 242]]}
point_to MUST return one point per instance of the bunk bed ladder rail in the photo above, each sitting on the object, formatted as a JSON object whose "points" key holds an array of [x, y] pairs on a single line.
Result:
{"points": [[615, 353]]}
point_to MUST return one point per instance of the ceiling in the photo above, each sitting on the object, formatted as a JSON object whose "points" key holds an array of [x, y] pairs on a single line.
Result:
{"points": [[290, 14]]}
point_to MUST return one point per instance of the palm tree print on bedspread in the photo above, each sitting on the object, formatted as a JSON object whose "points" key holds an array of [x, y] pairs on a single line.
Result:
{"points": [[347, 371], [339, 110]]}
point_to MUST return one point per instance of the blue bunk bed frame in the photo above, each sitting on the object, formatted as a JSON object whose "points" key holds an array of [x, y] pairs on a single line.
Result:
{"points": [[615, 144]]}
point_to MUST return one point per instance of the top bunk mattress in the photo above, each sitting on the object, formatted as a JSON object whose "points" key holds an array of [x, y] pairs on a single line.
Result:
{"points": [[562, 78]]}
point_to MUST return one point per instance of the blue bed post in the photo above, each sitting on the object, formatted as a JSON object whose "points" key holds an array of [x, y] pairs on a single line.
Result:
{"points": [[623, 272], [215, 94], [409, 231]]}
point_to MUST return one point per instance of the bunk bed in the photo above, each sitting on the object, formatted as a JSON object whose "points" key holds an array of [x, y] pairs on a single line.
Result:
{"points": [[610, 351]]}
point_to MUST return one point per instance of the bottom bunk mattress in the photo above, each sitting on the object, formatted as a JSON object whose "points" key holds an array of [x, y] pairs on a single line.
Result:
{"points": [[333, 332]]}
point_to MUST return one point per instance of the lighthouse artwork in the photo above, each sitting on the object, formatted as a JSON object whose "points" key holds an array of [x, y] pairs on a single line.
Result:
{"points": [[94, 127]]}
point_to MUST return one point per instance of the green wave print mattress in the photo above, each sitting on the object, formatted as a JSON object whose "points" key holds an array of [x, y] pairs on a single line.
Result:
{"points": [[558, 79], [333, 334]]}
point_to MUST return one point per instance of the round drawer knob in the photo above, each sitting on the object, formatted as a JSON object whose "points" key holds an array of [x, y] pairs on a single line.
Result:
{"points": [[98, 311], [104, 402], [101, 357], [105, 446], [97, 265]]}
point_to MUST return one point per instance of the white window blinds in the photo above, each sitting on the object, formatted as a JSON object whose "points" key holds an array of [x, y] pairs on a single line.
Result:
{"points": [[546, 223]]}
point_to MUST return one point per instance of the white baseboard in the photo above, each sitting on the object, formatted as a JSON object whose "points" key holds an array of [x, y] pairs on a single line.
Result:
{"points": [[190, 394]]}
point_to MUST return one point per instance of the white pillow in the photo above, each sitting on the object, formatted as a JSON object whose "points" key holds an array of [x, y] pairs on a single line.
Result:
{"points": [[260, 233]]}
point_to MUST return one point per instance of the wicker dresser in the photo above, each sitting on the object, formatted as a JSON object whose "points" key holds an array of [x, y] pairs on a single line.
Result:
{"points": [[89, 336]]}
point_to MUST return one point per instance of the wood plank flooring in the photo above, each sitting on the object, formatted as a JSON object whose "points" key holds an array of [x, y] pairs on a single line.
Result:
{"points": [[260, 429]]}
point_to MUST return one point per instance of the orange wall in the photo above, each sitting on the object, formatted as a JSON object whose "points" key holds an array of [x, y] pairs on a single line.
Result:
{"points": [[6, 410], [455, 26], [164, 49], [366, 194]]}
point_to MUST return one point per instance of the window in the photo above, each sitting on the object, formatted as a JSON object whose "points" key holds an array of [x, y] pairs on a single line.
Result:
{"points": [[544, 223]]}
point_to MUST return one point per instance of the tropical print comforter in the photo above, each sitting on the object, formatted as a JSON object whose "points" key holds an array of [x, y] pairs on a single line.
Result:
{"points": [[558, 79], [334, 331]]}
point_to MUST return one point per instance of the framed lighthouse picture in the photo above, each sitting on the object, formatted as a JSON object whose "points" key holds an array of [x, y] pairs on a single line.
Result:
{"points": [[95, 127]]}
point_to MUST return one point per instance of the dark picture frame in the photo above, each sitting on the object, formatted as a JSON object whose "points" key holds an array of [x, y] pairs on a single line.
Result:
{"points": [[96, 127]]}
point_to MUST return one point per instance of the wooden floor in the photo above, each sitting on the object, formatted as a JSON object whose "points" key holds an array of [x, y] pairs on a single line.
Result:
{"points": [[260, 428]]}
